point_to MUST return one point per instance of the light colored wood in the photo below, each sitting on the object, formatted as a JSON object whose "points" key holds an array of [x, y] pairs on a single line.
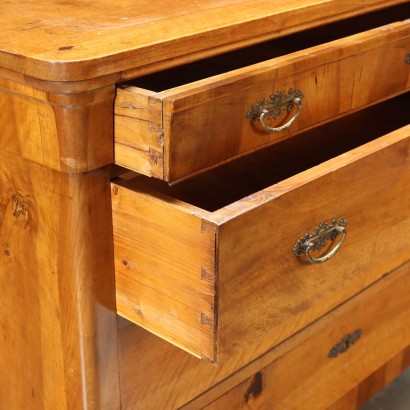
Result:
{"points": [[347, 402], [57, 313], [57, 310], [391, 370], [321, 381], [371, 385], [138, 129], [264, 293], [79, 40], [69, 133], [176, 299], [380, 378], [59, 62], [149, 380], [204, 122], [255, 260]]}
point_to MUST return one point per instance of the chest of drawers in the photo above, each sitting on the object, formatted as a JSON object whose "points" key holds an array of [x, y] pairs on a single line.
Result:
{"points": [[204, 204]]}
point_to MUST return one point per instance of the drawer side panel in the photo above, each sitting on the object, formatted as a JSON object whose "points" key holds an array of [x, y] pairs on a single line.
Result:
{"points": [[138, 142], [165, 270]]}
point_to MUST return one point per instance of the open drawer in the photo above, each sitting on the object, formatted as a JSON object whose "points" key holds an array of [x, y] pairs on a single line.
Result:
{"points": [[169, 126], [210, 265]]}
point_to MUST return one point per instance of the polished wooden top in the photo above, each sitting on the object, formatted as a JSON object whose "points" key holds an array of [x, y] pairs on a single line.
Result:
{"points": [[79, 39]]}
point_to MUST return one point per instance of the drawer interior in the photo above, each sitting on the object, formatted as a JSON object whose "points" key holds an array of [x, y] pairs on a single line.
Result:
{"points": [[228, 183], [233, 60]]}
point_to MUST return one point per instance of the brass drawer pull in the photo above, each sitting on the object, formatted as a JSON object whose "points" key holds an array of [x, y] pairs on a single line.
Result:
{"points": [[317, 240], [345, 343], [273, 106]]}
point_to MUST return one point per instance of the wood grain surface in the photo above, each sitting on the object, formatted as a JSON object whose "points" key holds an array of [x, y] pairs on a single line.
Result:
{"points": [[66, 132], [306, 378], [149, 380], [263, 292], [59, 62], [374, 382], [203, 124], [138, 134], [165, 267], [78, 40], [57, 310]]}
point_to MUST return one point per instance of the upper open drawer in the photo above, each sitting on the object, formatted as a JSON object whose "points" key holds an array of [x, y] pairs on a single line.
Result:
{"points": [[174, 133]]}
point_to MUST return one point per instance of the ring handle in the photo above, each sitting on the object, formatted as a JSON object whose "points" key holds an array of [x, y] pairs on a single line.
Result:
{"points": [[273, 107], [317, 240], [272, 130]]}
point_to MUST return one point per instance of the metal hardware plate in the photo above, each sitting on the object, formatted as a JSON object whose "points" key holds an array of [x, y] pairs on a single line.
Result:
{"points": [[274, 105], [345, 343], [317, 240]]}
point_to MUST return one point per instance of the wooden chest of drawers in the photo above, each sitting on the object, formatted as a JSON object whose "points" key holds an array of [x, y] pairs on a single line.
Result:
{"points": [[250, 246]]}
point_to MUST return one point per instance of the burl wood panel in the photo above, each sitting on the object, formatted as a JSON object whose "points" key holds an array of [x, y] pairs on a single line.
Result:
{"points": [[57, 311], [77, 40], [203, 123], [170, 254], [149, 380]]}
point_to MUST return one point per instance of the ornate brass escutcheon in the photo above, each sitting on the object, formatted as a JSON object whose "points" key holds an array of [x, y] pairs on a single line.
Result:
{"points": [[273, 107], [345, 343], [318, 238]]}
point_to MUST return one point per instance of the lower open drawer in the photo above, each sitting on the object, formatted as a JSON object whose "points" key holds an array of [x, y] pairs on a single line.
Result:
{"points": [[297, 374], [210, 264], [358, 348]]}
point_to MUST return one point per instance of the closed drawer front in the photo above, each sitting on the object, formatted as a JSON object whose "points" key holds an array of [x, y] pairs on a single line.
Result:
{"points": [[216, 275], [174, 133], [353, 342]]}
